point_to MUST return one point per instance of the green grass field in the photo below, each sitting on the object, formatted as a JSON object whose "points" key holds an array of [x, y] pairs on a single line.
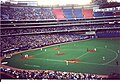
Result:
{"points": [[90, 62]]}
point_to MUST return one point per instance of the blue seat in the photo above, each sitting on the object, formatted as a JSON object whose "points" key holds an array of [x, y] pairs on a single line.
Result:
{"points": [[108, 14], [78, 13], [98, 14], [68, 13]]}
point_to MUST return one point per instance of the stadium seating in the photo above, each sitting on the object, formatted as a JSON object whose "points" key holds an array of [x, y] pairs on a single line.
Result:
{"points": [[108, 13], [117, 25], [117, 13], [58, 13], [36, 41], [27, 28], [108, 34], [33, 13], [19, 31], [98, 14], [68, 13], [78, 13], [26, 13], [86, 11], [50, 75]]}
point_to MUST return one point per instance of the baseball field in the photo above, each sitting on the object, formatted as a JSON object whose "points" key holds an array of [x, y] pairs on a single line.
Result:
{"points": [[95, 56]]}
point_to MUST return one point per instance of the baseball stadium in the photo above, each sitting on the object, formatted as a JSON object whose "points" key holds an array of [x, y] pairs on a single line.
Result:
{"points": [[60, 41]]}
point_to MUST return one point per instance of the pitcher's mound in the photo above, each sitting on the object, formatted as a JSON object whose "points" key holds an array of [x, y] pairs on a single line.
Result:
{"points": [[27, 58]]}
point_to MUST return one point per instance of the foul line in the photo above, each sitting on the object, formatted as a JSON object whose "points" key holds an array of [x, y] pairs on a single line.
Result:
{"points": [[50, 59], [64, 61], [103, 63], [82, 55], [32, 65], [113, 58], [85, 62], [97, 64]]}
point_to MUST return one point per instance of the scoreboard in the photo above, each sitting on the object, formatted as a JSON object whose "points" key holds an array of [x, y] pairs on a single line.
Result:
{"points": [[90, 33]]}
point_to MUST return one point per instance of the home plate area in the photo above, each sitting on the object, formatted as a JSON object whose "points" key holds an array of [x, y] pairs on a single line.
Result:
{"points": [[26, 57]]}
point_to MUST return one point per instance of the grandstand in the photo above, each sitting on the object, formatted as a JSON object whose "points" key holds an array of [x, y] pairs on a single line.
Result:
{"points": [[56, 35]]}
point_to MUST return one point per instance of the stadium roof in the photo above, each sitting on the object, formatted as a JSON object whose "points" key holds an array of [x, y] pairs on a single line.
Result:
{"points": [[110, 5], [58, 2]]}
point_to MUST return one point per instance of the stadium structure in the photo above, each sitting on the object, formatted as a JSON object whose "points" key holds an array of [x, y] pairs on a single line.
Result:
{"points": [[70, 42]]}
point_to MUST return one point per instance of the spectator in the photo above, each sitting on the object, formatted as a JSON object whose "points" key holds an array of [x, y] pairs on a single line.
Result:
{"points": [[45, 74]]}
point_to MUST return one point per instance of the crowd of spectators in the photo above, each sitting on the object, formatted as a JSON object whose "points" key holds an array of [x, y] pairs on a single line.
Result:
{"points": [[108, 33], [25, 13], [35, 30], [50, 29], [37, 41], [49, 75]]}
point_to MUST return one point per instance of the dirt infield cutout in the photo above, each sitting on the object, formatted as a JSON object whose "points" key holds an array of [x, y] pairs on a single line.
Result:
{"points": [[59, 54], [73, 61], [27, 58], [91, 51], [56, 48]]}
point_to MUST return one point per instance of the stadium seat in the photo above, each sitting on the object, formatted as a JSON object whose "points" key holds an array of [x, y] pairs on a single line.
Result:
{"points": [[98, 14], [108, 13], [68, 13], [87, 13], [117, 13], [78, 13], [58, 13]]}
